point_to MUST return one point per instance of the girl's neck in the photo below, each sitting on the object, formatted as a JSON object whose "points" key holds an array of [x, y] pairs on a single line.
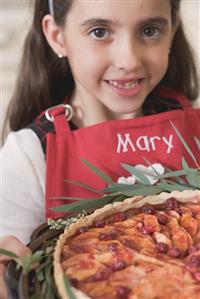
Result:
{"points": [[89, 112]]}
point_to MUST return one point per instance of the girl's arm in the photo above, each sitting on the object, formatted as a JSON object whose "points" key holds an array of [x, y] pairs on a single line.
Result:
{"points": [[22, 185]]}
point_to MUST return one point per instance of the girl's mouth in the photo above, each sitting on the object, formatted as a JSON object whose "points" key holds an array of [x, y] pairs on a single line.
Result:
{"points": [[126, 87]]}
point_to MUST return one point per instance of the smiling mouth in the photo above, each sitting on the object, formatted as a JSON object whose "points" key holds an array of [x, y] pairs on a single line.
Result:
{"points": [[124, 85]]}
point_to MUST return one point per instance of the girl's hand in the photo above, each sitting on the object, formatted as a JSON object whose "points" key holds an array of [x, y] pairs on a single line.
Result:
{"points": [[10, 243]]}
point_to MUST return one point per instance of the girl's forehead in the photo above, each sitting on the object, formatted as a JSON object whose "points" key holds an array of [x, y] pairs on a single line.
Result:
{"points": [[118, 8]]}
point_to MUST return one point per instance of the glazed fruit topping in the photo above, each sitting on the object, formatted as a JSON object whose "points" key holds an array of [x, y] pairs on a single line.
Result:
{"points": [[123, 292], [100, 223], [107, 236], [119, 217], [174, 252], [193, 264], [103, 275], [113, 247], [148, 209], [162, 247], [171, 203], [129, 244], [119, 265], [192, 249], [147, 229], [162, 219], [82, 229]]}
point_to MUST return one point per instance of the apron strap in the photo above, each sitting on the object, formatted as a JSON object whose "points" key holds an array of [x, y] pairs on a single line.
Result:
{"points": [[165, 91], [60, 115]]}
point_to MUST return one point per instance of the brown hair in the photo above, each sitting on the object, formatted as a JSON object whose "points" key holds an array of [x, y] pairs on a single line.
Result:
{"points": [[44, 79]]}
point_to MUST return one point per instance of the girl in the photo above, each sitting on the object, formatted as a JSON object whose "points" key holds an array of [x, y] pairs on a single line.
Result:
{"points": [[117, 69]]}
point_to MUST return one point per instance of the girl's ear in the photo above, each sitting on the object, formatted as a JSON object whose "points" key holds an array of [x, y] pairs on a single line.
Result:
{"points": [[54, 35]]}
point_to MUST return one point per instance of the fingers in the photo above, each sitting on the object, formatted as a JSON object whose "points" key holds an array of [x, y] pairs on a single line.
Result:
{"points": [[13, 244], [3, 288], [9, 243]]}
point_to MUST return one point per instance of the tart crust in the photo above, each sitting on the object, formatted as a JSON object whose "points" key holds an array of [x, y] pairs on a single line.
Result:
{"points": [[183, 197]]}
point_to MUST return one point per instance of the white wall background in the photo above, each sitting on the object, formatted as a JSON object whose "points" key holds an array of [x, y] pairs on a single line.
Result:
{"points": [[16, 16]]}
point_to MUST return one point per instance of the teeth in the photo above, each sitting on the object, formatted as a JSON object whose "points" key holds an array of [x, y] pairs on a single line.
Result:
{"points": [[127, 85]]}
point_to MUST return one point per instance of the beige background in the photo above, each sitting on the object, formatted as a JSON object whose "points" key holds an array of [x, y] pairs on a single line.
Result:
{"points": [[16, 16]]}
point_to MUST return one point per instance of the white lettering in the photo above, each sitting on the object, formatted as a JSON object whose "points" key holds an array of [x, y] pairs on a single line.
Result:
{"points": [[124, 143], [153, 143], [168, 143], [145, 145]]}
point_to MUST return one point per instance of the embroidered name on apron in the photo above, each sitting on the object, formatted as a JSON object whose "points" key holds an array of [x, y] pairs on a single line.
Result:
{"points": [[126, 142]]}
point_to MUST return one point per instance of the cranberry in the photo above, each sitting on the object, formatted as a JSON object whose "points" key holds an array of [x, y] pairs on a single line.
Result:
{"points": [[162, 247], [122, 292], [162, 219], [147, 229], [191, 268], [119, 217], [74, 282], [118, 265], [194, 260], [82, 229], [171, 204], [193, 264], [174, 252], [107, 236], [79, 249], [183, 254], [197, 246], [192, 249], [148, 209], [100, 223], [103, 275], [113, 247]]}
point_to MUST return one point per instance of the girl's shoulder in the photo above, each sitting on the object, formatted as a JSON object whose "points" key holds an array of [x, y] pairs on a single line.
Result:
{"points": [[23, 148], [24, 140]]}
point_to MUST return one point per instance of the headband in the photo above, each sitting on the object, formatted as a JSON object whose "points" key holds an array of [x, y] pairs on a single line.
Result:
{"points": [[50, 4]]}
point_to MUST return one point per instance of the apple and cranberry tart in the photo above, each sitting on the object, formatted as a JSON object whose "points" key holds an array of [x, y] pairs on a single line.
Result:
{"points": [[143, 247]]}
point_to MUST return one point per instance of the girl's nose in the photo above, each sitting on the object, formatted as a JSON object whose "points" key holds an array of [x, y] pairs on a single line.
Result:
{"points": [[127, 55]]}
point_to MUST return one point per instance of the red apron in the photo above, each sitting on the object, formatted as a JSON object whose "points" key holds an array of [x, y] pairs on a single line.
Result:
{"points": [[110, 143]]}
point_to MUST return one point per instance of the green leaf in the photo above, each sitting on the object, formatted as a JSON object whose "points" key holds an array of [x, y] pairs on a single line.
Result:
{"points": [[177, 178], [193, 179], [144, 191], [184, 143], [197, 142], [98, 172], [75, 198], [26, 264], [83, 205], [172, 174], [68, 288], [8, 253], [118, 187], [84, 186], [49, 281], [139, 174], [40, 275], [37, 256], [172, 187]]}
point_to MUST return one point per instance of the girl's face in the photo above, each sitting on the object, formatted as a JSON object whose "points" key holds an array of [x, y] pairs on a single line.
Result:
{"points": [[118, 52]]}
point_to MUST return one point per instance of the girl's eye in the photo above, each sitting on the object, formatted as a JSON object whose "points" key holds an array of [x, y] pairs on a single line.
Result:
{"points": [[152, 32], [99, 33]]}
